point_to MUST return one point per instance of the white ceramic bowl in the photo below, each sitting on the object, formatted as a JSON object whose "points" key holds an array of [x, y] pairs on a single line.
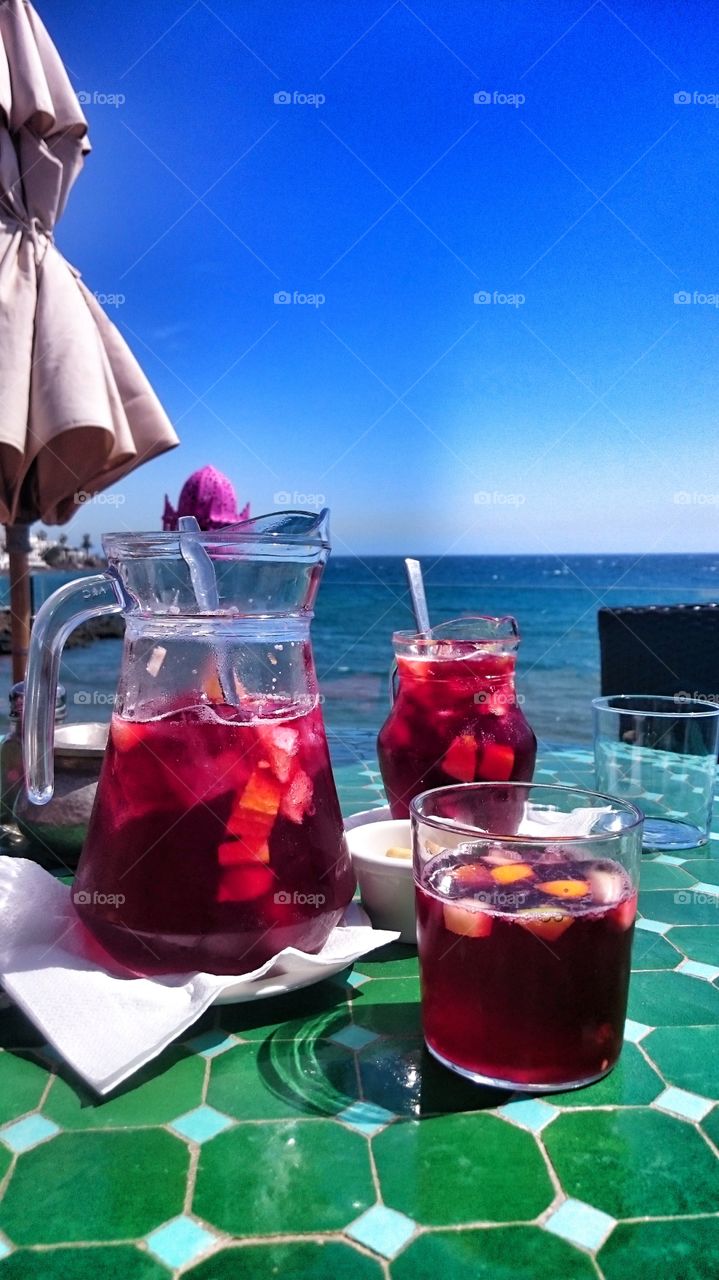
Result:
{"points": [[386, 884]]}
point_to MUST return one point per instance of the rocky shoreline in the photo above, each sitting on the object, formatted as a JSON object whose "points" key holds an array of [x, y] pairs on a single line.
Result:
{"points": [[110, 628]]}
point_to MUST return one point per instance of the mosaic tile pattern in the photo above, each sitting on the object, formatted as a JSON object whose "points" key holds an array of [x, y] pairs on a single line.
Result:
{"points": [[391, 1168]]}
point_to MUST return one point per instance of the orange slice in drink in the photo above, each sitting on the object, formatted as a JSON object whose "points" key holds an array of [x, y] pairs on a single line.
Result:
{"points": [[496, 763], [244, 882], [253, 816], [547, 923], [473, 873], [511, 871], [211, 686], [460, 760], [232, 852], [565, 888], [126, 734], [467, 921]]}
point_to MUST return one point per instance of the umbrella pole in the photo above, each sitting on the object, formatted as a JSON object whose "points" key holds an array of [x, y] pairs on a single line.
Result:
{"points": [[18, 547]]}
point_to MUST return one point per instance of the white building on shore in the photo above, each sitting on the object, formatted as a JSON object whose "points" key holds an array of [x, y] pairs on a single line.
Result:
{"points": [[40, 544]]}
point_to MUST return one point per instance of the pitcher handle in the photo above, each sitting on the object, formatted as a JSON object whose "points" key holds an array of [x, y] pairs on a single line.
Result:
{"points": [[393, 679], [65, 609]]}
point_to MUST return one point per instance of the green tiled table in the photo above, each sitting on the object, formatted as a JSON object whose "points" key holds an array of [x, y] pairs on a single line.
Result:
{"points": [[313, 1137]]}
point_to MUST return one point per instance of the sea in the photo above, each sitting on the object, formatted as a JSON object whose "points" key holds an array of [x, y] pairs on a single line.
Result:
{"points": [[362, 601]]}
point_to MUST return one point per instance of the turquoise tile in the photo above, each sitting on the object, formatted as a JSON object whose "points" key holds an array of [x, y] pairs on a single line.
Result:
{"points": [[23, 1135], [201, 1124], [210, 1043], [179, 1242], [663, 875], [530, 1113], [4, 1249], [581, 1224], [705, 869], [652, 926], [635, 1031], [384, 1230], [366, 1117], [353, 1037], [710, 890], [665, 999], [357, 979], [683, 906], [652, 951], [695, 969], [680, 1102]]}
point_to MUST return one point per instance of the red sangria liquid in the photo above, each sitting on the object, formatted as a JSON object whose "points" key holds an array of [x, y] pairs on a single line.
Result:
{"points": [[215, 842], [525, 969], [455, 719]]}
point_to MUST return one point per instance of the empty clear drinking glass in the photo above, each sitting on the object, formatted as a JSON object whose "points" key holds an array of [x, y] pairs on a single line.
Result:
{"points": [[660, 753]]}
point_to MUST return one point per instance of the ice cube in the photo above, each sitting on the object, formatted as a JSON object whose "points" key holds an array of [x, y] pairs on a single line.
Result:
{"points": [[297, 797], [280, 744], [155, 661], [498, 855], [607, 886]]}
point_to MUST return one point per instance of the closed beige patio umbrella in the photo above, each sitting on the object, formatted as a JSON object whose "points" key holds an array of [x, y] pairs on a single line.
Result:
{"points": [[76, 411]]}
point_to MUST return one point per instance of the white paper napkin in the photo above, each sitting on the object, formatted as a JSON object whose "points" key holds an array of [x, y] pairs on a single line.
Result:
{"points": [[545, 823], [108, 1025]]}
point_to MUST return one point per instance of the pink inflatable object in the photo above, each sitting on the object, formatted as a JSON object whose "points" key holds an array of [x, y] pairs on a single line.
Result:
{"points": [[210, 497]]}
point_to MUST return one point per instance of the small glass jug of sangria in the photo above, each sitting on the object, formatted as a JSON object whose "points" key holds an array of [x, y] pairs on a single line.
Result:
{"points": [[216, 838], [455, 714]]}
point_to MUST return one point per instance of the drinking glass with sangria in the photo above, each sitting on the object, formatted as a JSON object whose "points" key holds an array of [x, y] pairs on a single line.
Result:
{"points": [[526, 899], [455, 716]]}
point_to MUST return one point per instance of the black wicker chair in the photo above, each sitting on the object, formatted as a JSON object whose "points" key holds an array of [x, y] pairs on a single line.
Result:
{"points": [[664, 649]]}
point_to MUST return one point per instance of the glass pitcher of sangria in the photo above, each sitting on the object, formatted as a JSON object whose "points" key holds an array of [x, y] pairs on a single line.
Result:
{"points": [[216, 839], [455, 714]]}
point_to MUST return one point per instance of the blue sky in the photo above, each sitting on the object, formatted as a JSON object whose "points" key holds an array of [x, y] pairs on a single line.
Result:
{"points": [[579, 416]]}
